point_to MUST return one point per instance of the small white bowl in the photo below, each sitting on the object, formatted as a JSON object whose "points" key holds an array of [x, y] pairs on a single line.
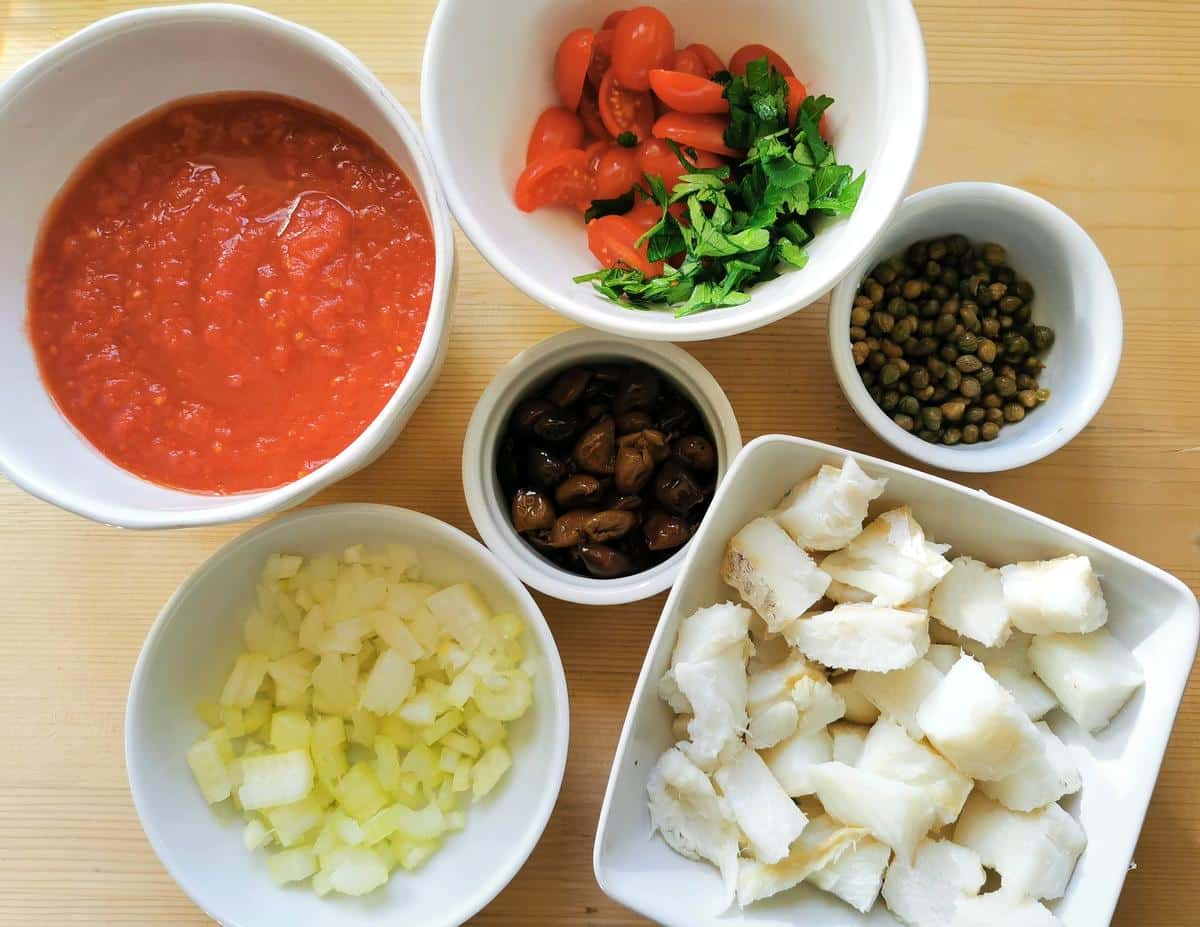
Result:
{"points": [[487, 74], [1074, 293], [536, 365], [189, 653], [123, 67], [1150, 611]]}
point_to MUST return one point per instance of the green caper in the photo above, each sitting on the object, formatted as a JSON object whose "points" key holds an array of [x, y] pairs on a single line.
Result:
{"points": [[912, 289], [931, 418], [910, 406], [970, 433], [1025, 381], [993, 254], [1033, 364], [990, 327], [890, 400], [1043, 395], [873, 291], [919, 377], [1014, 412], [891, 350], [876, 359], [953, 378], [954, 410], [876, 394], [968, 343], [970, 387], [859, 316], [937, 367], [944, 324], [1027, 398], [924, 394], [948, 353], [939, 394], [1025, 290], [938, 249], [918, 253], [882, 322], [933, 270], [903, 330], [986, 350], [985, 375], [1011, 304], [1043, 337], [995, 415], [951, 436], [970, 319], [976, 414], [926, 435], [867, 377], [969, 363], [889, 374], [884, 273], [904, 420], [992, 401], [1005, 386]]}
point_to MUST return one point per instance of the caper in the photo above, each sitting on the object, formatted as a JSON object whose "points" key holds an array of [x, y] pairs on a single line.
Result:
{"points": [[968, 343], [1043, 395], [1025, 381], [951, 436], [874, 291], [909, 405], [904, 420], [912, 289], [891, 350], [926, 435], [1005, 386], [1011, 304], [876, 359], [1027, 398], [884, 273], [986, 350], [931, 418], [944, 325], [976, 414], [970, 434], [970, 388], [939, 394], [1014, 412], [995, 415], [924, 394], [993, 254], [1033, 364], [890, 400], [860, 316], [937, 367], [1025, 290], [889, 374], [988, 431], [954, 410], [969, 363], [867, 377], [919, 377], [948, 353], [1043, 337], [882, 322], [990, 327], [953, 378]]}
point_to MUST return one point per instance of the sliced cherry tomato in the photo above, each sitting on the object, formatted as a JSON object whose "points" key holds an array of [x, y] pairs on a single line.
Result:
{"points": [[589, 115], [747, 53], [601, 56], [611, 20], [555, 129], [571, 66], [616, 172], [625, 110], [688, 62], [559, 178], [656, 157], [688, 93], [711, 60], [645, 215], [593, 152], [642, 40], [796, 94], [704, 133], [612, 240]]}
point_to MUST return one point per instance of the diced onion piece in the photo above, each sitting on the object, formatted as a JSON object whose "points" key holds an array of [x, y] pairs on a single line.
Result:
{"points": [[243, 684], [358, 871], [493, 764], [204, 759], [275, 779], [293, 865]]}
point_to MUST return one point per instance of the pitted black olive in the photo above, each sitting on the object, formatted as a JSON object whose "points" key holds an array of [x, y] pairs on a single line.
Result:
{"points": [[567, 388], [531, 511]]}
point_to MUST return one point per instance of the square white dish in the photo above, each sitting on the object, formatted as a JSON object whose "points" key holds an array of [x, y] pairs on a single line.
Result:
{"points": [[1150, 611]]}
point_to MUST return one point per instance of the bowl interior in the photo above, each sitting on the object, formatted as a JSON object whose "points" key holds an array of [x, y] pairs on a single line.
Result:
{"points": [[1149, 611], [1074, 294], [126, 67], [869, 57], [189, 654]]}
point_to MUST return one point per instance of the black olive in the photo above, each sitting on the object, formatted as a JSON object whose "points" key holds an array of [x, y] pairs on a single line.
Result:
{"points": [[578, 490], [609, 525], [543, 468], [568, 387], [596, 448], [528, 413], [626, 503], [676, 417], [568, 528], [697, 452], [665, 532], [636, 457], [629, 422], [637, 391], [604, 561], [531, 511], [677, 489], [556, 425], [594, 410]]}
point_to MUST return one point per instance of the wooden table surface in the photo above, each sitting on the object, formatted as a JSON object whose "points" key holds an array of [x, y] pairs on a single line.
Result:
{"points": [[1090, 103]]}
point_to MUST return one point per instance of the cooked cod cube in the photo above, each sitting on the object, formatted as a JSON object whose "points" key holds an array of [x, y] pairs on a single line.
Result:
{"points": [[1048, 596], [826, 511], [791, 761], [856, 876], [869, 637], [926, 892], [889, 751], [970, 600], [1001, 909], [823, 841], [715, 691], [898, 695], [1091, 675], [772, 573], [1046, 777], [894, 812], [858, 707], [848, 741], [767, 816]]}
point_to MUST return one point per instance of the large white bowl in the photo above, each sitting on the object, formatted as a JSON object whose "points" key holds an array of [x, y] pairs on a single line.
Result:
{"points": [[487, 75], [1150, 611], [60, 106], [190, 651], [1074, 293]]}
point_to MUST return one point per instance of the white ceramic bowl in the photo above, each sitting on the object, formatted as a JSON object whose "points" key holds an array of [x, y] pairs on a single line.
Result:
{"points": [[122, 67], [1150, 611], [487, 76], [536, 365], [188, 655], [1074, 293]]}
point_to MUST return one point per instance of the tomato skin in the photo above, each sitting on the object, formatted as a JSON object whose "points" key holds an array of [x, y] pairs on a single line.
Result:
{"points": [[645, 215], [559, 178], [655, 157], [601, 57], [643, 39], [625, 110], [612, 240], [589, 115], [747, 53], [616, 172], [687, 61], [796, 94], [556, 128], [611, 20], [710, 59], [688, 93], [692, 130], [571, 63], [593, 152]]}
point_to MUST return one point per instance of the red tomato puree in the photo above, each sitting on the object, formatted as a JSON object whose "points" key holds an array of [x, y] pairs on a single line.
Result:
{"points": [[229, 290]]}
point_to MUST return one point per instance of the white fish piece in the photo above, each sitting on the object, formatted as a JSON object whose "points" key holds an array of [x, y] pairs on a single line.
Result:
{"points": [[890, 559], [1001, 909], [926, 892], [868, 637], [715, 690], [704, 635], [1060, 595], [889, 751], [823, 841], [1047, 777], [895, 813], [1091, 675], [840, 593], [769, 819], [1035, 852], [858, 707], [791, 761], [857, 875], [976, 724], [1034, 698], [795, 682], [827, 510], [898, 695], [940, 634], [693, 820], [771, 724], [943, 656], [848, 741], [970, 600], [772, 573]]}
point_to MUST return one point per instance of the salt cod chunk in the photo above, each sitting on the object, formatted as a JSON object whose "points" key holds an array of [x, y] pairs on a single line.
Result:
{"points": [[1035, 852], [1091, 675], [716, 691], [895, 813], [1046, 777], [841, 593], [707, 634], [768, 818], [1000, 909], [976, 723], [898, 695], [926, 892], [942, 656], [857, 875], [1048, 596], [789, 697], [1009, 665], [848, 741], [889, 751], [823, 841], [826, 511], [970, 600], [791, 761], [868, 637], [890, 559], [858, 707], [772, 574]]}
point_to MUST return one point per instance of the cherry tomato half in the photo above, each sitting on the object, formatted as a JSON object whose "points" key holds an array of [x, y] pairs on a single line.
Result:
{"points": [[625, 110], [796, 94], [601, 56], [643, 39], [691, 130], [559, 178], [616, 172], [687, 62], [688, 93], [589, 115], [555, 129], [711, 60], [593, 152], [645, 215], [612, 239], [656, 157], [571, 66], [611, 20], [747, 53]]}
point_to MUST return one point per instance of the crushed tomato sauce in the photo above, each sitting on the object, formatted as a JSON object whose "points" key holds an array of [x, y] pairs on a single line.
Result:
{"points": [[229, 290]]}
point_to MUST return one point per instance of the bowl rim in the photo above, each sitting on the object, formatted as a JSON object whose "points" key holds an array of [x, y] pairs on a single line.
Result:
{"points": [[981, 458], [399, 517], [906, 141], [427, 359], [492, 523]]}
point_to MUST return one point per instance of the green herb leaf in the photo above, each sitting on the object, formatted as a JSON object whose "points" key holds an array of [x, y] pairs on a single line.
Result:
{"points": [[791, 253], [617, 206], [627, 140]]}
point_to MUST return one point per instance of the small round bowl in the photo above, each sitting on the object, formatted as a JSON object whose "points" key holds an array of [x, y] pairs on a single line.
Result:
{"points": [[537, 365], [1075, 294], [189, 653], [125, 66], [478, 106]]}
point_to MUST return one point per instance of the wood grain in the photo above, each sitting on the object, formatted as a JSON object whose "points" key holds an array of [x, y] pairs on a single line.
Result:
{"points": [[1091, 103]]}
